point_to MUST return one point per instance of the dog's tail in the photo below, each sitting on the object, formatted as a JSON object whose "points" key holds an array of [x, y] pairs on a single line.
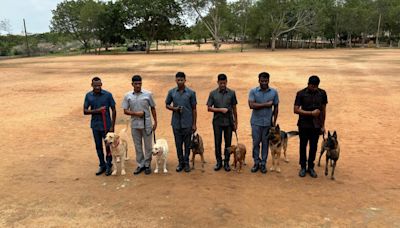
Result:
{"points": [[292, 133]]}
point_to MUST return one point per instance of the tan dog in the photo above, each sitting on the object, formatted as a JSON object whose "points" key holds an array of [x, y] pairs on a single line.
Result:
{"points": [[332, 148], [160, 151], [119, 149], [196, 144], [278, 140], [239, 155]]}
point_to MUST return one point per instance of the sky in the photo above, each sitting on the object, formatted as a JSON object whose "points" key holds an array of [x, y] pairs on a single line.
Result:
{"points": [[37, 14]]}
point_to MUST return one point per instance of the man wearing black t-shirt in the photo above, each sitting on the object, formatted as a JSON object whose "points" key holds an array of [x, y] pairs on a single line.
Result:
{"points": [[310, 105]]}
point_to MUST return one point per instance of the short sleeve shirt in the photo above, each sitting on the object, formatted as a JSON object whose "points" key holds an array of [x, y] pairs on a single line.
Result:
{"points": [[263, 117], [95, 101], [309, 101], [222, 99], [138, 102], [186, 99]]}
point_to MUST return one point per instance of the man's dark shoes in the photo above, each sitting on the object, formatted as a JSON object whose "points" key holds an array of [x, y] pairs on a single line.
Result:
{"points": [[218, 166], [226, 167], [187, 168], [302, 172], [147, 170], [108, 171], [100, 171], [255, 168], [138, 170], [263, 169], [312, 172], [179, 168]]}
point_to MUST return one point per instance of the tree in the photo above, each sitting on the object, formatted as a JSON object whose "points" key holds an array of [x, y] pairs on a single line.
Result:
{"points": [[110, 25], [211, 13], [5, 26], [151, 20], [79, 18]]}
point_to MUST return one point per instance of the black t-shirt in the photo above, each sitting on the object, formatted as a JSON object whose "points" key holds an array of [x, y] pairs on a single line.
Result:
{"points": [[308, 101]]}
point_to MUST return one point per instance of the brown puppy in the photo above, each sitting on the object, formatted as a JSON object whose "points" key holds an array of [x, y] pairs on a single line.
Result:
{"points": [[239, 155], [278, 140], [332, 148], [196, 144]]}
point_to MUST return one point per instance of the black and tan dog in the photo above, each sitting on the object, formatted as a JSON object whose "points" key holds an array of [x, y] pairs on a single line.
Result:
{"points": [[196, 144], [332, 148], [278, 140]]}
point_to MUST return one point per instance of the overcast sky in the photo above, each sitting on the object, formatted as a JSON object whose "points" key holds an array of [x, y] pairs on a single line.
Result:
{"points": [[37, 14]]}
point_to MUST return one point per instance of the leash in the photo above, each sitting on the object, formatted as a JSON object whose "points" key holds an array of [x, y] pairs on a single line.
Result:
{"points": [[237, 140], [103, 116], [151, 132]]}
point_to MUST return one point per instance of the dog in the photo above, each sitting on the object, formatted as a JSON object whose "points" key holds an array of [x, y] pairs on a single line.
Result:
{"points": [[196, 144], [160, 151], [332, 148], [239, 155], [278, 140], [119, 149]]}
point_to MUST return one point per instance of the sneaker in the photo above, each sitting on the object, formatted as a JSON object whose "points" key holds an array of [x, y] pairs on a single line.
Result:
{"points": [[312, 172], [255, 168], [302, 172]]}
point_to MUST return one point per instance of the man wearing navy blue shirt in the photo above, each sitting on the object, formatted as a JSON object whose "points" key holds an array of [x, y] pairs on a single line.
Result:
{"points": [[264, 101], [96, 102]]}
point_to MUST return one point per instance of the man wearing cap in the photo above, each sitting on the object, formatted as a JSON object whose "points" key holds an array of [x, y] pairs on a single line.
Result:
{"points": [[96, 102], [137, 104], [222, 102], [310, 105], [181, 100], [264, 101]]}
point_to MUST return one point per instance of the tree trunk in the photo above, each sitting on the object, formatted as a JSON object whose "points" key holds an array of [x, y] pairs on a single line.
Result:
{"points": [[349, 40], [377, 33], [156, 45], [148, 43], [363, 40], [273, 41], [335, 41]]}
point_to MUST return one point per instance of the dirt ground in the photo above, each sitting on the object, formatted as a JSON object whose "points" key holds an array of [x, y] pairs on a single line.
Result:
{"points": [[48, 159]]}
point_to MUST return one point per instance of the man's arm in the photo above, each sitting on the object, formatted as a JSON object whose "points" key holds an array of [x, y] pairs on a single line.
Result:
{"points": [[194, 115], [275, 115], [256, 106], [114, 117], [323, 114], [212, 109], [131, 113], [154, 113], [87, 111], [236, 123], [299, 111]]}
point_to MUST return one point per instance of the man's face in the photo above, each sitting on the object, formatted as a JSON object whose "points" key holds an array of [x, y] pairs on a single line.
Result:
{"points": [[137, 86], [97, 86], [263, 83], [222, 84], [180, 82], [312, 87]]}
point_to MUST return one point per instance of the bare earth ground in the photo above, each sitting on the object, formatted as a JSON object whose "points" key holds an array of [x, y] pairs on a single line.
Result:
{"points": [[48, 158]]}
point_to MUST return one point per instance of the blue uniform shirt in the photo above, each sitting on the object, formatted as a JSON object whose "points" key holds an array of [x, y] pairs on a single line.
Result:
{"points": [[186, 99], [95, 101], [263, 117]]}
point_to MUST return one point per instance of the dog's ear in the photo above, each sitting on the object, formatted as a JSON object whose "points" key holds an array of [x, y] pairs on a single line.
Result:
{"points": [[278, 129], [116, 137], [334, 134], [329, 134]]}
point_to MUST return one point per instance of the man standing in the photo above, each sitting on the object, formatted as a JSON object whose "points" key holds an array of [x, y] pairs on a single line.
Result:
{"points": [[184, 116], [261, 100], [98, 103], [137, 104], [222, 102], [310, 105]]}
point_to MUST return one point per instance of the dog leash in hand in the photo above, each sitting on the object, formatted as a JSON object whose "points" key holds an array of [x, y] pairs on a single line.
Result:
{"points": [[237, 140], [144, 126]]}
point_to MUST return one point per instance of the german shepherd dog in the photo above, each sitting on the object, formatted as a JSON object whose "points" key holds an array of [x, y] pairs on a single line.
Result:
{"points": [[332, 148], [278, 140], [196, 144]]}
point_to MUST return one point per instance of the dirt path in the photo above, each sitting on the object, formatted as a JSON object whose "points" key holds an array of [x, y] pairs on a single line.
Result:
{"points": [[48, 157]]}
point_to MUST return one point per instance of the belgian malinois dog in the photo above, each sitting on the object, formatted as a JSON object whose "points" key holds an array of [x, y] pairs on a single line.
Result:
{"points": [[332, 148], [278, 140]]}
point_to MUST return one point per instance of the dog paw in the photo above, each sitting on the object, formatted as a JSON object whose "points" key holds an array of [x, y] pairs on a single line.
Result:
{"points": [[114, 173], [272, 169], [156, 171], [278, 170], [333, 178], [165, 171], [118, 159], [123, 172], [326, 173], [286, 160], [126, 159]]}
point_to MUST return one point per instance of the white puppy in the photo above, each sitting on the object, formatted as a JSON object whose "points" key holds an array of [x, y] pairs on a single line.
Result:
{"points": [[160, 151], [119, 149]]}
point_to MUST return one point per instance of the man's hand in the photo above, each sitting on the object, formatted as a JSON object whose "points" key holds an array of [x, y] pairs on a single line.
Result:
{"points": [[322, 130], [194, 128], [235, 126], [268, 104], [224, 110], [140, 114], [99, 110], [315, 112], [111, 129], [154, 126]]}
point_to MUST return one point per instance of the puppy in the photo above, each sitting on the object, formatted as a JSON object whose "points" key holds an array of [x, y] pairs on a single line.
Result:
{"points": [[119, 148], [332, 148], [196, 144], [239, 155], [278, 140], [160, 151]]}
